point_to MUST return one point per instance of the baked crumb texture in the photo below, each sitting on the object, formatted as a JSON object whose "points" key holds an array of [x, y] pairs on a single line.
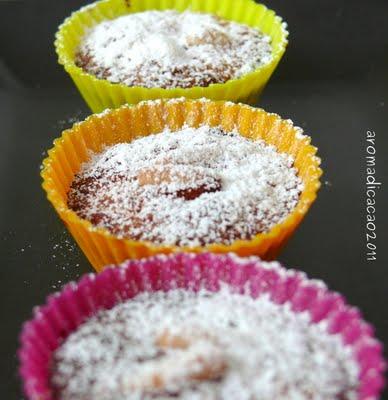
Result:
{"points": [[168, 49], [192, 187], [203, 345]]}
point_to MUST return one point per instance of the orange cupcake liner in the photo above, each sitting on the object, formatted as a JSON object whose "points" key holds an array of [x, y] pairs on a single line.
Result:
{"points": [[129, 122]]}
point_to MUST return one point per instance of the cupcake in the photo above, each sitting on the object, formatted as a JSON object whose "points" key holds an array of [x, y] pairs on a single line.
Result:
{"points": [[117, 52], [199, 326], [168, 49], [181, 175], [191, 187]]}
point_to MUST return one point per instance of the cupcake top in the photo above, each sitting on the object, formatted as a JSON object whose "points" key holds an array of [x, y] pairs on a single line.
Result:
{"points": [[192, 187], [204, 345], [169, 49]]}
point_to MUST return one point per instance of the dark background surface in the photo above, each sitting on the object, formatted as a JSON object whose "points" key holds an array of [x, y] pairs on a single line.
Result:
{"points": [[332, 82]]}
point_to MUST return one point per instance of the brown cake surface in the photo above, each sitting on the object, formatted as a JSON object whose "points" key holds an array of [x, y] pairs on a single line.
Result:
{"points": [[205, 345], [170, 49], [192, 187]]}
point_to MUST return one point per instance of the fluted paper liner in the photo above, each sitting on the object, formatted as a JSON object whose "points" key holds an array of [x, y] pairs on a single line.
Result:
{"points": [[100, 93], [128, 122], [66, 310]]}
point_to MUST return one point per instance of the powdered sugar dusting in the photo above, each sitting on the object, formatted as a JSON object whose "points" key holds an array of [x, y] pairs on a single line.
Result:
{"points": [[171, 49], [205, 345], [191, 187]]}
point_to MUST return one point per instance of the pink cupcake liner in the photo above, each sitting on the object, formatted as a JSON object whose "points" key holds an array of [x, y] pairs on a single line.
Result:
{"points": [[67, 309]]}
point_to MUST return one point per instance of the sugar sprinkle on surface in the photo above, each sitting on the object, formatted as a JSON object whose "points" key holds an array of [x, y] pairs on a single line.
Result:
{"points": [[170, 49], [192, 187], [207, 345]]}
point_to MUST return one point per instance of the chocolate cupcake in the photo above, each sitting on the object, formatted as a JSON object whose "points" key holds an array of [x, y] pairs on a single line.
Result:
{"points": [[191, 187], [124, 52], [199, 326], [180, 175], [168, 49]]}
